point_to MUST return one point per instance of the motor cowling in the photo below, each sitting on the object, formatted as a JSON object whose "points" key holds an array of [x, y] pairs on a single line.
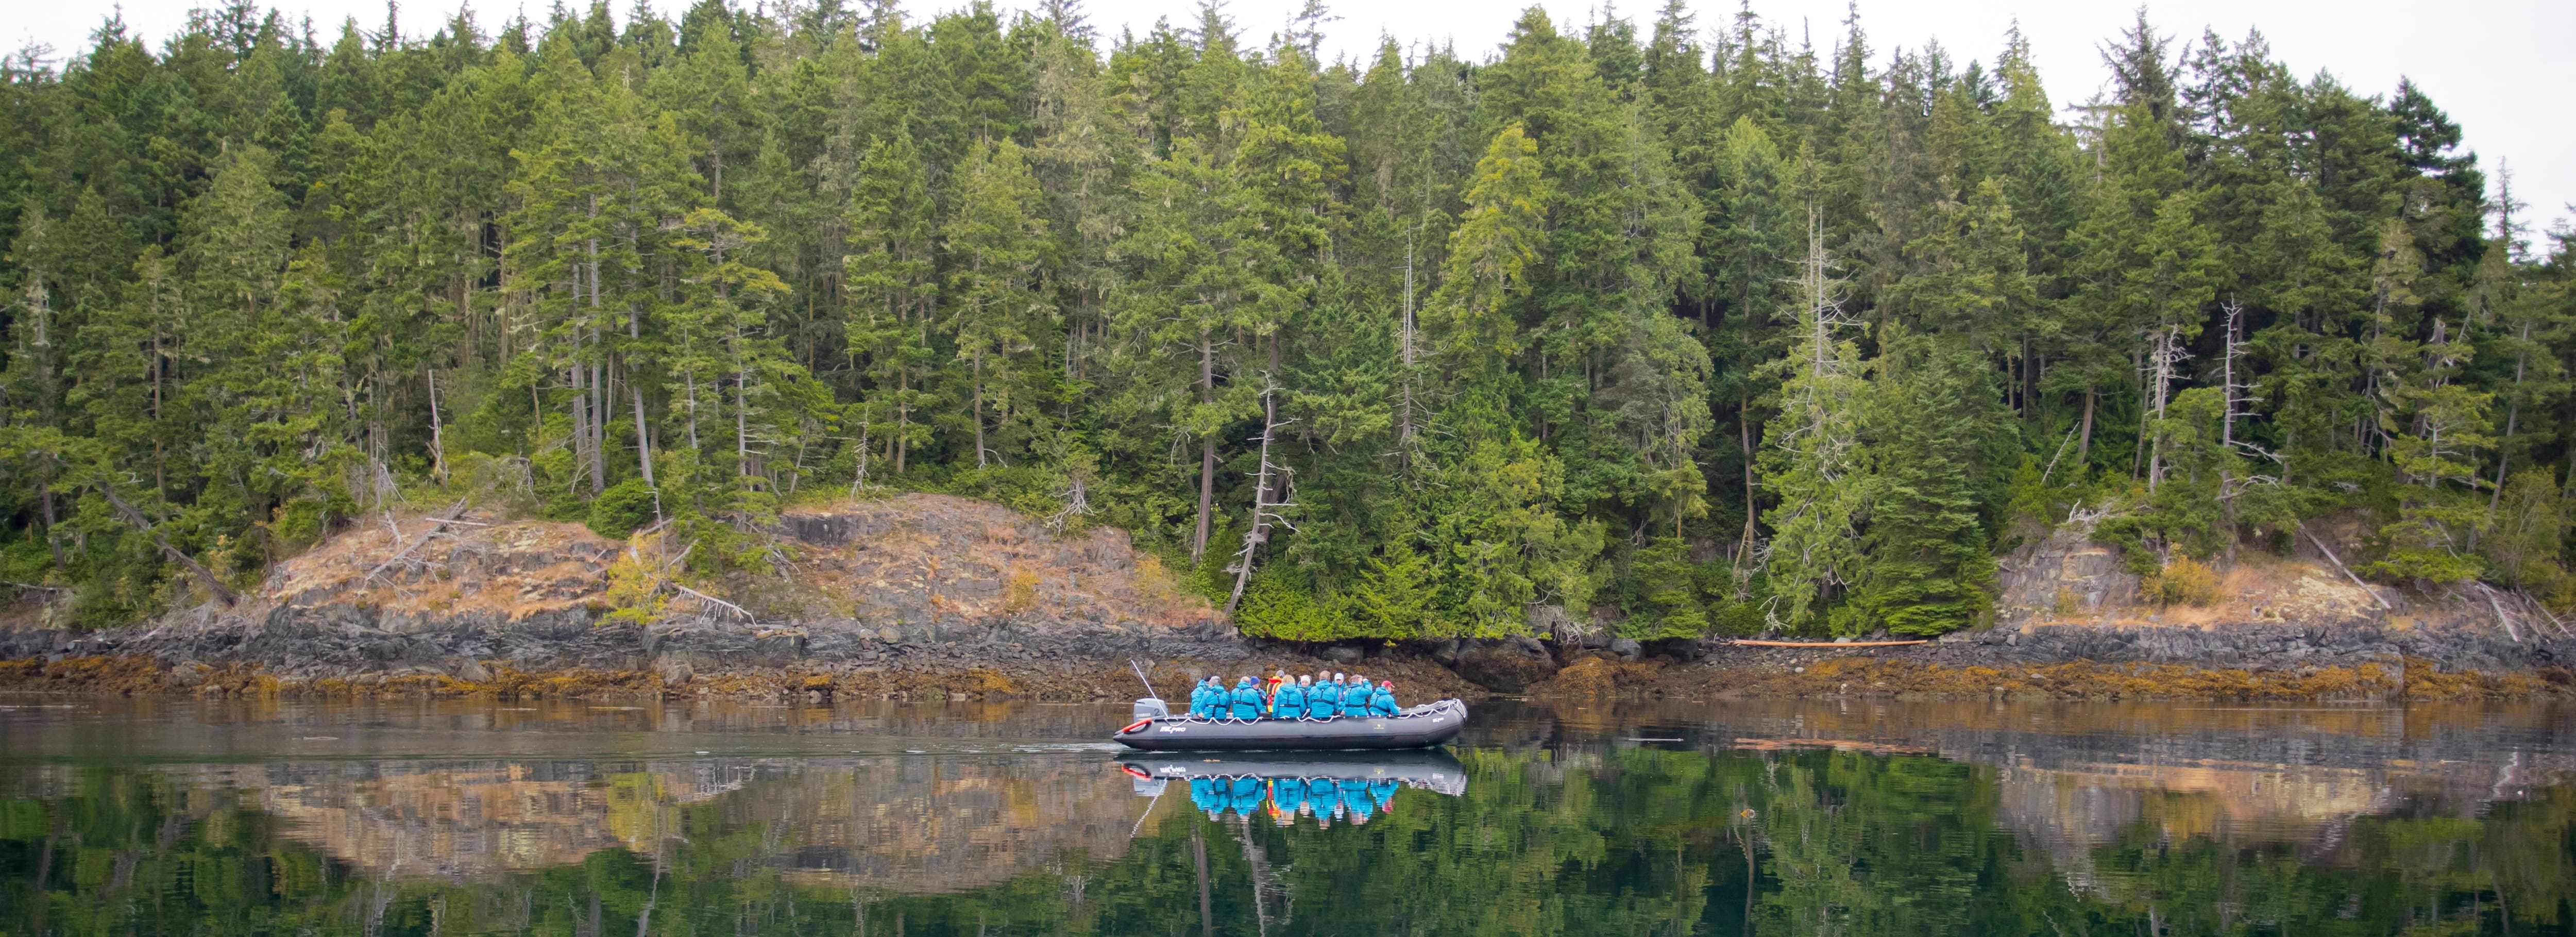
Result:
{"points": [[1149, 708]]}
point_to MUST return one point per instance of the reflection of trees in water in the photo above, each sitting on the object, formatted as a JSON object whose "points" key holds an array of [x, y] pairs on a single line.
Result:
{"points": [[1624, 841]]}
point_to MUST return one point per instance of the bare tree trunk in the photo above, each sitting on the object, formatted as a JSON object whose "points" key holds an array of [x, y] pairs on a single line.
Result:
{"points": [[979, 409], [643, 434], [437, 439], [1262, 506], [2512, 412], [1744, 435], [45, 498], [2084, 443], [1404, 417], [1207, 450]]}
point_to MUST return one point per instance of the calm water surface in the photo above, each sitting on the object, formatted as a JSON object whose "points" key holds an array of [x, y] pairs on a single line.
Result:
{"points": [[1858, 818]]}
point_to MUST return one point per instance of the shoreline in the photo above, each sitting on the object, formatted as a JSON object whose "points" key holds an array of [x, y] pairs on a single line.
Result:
{"points": [[1722, 674]]}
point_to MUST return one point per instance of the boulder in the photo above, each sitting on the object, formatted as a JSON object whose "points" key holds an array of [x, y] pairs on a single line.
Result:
{"points": [[1505, 666], [472, 671], [1627, 648]]}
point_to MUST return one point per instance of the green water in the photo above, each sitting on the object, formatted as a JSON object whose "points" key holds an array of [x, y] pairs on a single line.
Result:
{"points": [[174, 817]]}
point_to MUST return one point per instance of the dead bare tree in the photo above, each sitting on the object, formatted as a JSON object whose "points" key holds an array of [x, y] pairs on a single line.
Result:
{"points": [[1264, 511]]}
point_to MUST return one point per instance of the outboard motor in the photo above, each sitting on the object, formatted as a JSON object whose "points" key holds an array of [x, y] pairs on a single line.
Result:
{"points": [[1150, 708]]}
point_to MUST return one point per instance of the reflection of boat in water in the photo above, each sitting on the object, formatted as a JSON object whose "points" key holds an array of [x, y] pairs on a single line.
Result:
{"points": [[1346, 786], [1433, 770], [1419, 727]]}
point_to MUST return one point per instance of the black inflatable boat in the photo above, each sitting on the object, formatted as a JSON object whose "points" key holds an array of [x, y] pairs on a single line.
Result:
{"points": [[1419, 727]]}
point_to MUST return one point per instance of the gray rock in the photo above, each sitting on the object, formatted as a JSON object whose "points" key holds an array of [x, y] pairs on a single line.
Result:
{"points": [[471, 671], [1627, 648], [676, 672]]}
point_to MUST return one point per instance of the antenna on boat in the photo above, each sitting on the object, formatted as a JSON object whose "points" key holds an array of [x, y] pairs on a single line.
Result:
{"points": [[1140, 678]]}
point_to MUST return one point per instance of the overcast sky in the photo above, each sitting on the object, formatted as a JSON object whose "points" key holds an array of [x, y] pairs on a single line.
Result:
{"points": [[2487, 62]]}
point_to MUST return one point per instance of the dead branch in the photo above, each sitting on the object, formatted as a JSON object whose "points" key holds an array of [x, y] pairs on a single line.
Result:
{"points": [[136, 518], [2338, 564], [712, 600], [2501, 618], [439, 526]]}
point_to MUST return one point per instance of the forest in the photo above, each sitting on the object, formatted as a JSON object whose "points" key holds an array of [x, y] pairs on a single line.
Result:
{"points": [[1657, 325]]}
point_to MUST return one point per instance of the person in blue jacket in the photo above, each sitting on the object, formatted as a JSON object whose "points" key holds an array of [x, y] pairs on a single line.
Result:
{"points": [[1289, 702], [1324, 699], [1382, 700], [1341, 684], [1199, 698], [1213, 705], [1244, 791], [1355, 697], [1246, 703]]}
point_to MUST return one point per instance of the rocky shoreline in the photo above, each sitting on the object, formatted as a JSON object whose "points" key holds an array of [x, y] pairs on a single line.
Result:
{"points": [[571, 654], [931, 597]]}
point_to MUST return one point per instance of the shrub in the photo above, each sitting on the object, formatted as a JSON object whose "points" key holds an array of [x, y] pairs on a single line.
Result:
{"points": [[2185, 581], [623, 508]]}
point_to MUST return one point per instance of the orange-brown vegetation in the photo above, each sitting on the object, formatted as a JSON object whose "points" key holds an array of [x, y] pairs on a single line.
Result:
{"points": [[1864, 676]]}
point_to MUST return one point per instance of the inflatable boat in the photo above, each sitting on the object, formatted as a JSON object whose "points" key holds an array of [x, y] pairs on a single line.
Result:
{"points": [[1155, 729]]}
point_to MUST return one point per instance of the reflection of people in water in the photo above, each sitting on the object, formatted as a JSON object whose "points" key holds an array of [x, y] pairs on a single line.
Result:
{"points": [[1284, 799]]}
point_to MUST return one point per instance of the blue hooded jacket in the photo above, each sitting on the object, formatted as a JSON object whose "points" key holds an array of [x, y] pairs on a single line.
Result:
{"points": [[1198, 698], [1381, 701], [1247, 700], [1355, 698], [1289, 702]]}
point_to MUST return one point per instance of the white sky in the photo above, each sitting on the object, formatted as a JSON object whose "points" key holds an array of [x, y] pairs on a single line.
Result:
{"points": [[2489, 63]]}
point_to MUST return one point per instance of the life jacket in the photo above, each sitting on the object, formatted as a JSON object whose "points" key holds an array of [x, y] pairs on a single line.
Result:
{"points": [[1289, 702], [1355, 698], [1247, 701], [1382, 701], [1323, 701]]}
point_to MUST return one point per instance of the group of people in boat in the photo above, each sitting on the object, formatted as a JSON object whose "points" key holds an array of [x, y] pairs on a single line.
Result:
{"points": [[1325, 799], [1312, 696]]}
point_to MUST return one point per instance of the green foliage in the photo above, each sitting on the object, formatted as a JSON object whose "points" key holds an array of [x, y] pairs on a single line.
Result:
{"points": [[624, 508], [1276, 605], [1930, 569], [1609, 316], [1668, 593]]}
